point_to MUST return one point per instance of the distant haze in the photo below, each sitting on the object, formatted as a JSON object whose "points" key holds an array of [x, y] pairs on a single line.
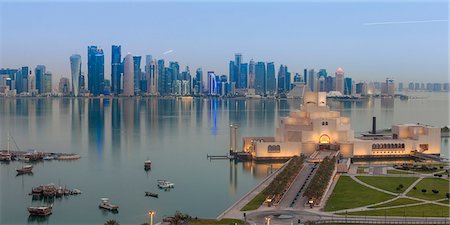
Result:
{"points": [[368, 40]]}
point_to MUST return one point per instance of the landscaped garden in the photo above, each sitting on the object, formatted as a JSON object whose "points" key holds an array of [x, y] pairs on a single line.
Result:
{"points": [[425, 210], [399, 201], [349, 194], [430, 189], [279, 184], [319, 182], [397, 172], [392, 184]]}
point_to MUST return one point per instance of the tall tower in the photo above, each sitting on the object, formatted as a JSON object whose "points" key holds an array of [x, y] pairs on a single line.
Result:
{"points": [[260, 78], [39, 78], [96, 70], [75, 69], [340, 80], [152, 82], [271, 81], [137, 73], [251, 74], [237, 69], [128, 76], [116, 69]]}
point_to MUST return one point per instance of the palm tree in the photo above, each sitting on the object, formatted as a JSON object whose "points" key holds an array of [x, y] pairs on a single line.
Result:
{"points": [[111, 222]]}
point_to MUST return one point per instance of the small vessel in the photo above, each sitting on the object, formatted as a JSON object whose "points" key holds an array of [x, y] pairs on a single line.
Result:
{"points": [[164, 184], [104, 204], [76, 192], [151, 194], [37, 190], [40, 210], [147, 164], [6, 156], [48, 157], [25, 169]]}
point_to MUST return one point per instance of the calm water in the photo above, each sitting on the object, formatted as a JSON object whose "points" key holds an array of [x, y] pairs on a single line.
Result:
{"points": [[115, 136]]}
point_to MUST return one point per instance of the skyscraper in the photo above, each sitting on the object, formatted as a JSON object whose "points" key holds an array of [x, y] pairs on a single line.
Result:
{"points": [[260, 78], [251, 74], [271, 81], [348, 86], [284, 80], [237, 66], [39, 77], [161, 77], [116, 69], [233, 74], [243, 74], [75, 69], [128, 76], [312, 80], [64, 88], [96, 70], [137, 73], [340, 80], [152, 82], [24, 79], [199, 81], [212, 84], [47, 83]]}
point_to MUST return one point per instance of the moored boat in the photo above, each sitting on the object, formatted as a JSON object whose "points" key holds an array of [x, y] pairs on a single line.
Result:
{"points": [[164, 184], [104, 204], [40, 210], [151, 194], [147, 164], [25, 169]]}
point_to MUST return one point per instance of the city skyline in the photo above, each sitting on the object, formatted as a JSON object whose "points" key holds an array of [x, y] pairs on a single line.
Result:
{"points": [[370, 53]]}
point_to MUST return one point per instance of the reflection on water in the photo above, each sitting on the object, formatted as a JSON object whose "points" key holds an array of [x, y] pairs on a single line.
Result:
{"points": [[114, 137]]}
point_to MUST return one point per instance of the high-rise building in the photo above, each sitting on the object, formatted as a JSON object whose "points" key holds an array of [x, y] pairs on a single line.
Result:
{"points": [[128, 76], [411, 86], [39, 77], [348, 86], [400, 86], [243, 74], [251, 74], [271, 80], [329, 83], [161, 77], [152, 82], [284, 80], [116, 69], [96, 70], [297, 78], [212, 84], [237, 63], [339, 80], [198, 81], [312, 80], [24, 79], [322, 73], [305, 76], [148, 59], [260, 78], [32, 84], [75, 69], [47, 82], [64, 86], [233, 73], [137, 73], [321, 84], [388, 87]]}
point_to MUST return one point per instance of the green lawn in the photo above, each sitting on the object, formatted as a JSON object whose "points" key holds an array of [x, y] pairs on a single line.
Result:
{"points": [[255, 202], [429, 184], [397, 172], [426, 210], [399, 201], [349, 194], [212, 221], [445, 201], [388, 183]]}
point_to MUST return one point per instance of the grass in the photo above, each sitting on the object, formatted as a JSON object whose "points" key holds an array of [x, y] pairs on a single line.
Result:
{"points": [[397, 172], [445, 201], [429, 184], [388, 183], [349, 194], [212, 221], [253, 204], [399, 201], [426, 210]]}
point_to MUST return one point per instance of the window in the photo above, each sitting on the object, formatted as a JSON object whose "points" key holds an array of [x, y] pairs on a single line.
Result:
{"points": [[273, 148]]}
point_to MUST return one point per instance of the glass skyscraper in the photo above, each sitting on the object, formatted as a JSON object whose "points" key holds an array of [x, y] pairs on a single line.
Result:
{"points": [[75, 69], [96, 70], [137, 73], [39, 76], [116, 69], [270, 82], [260, 78]]}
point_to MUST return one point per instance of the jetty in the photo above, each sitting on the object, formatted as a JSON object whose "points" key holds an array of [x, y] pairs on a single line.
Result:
{"points": [[33, 156]]}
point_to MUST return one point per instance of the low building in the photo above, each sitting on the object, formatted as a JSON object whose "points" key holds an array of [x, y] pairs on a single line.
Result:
{"points": [[315, 127]]}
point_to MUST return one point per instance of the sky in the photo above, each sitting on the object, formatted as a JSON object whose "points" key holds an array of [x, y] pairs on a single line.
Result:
{"points": [[371, 40]]}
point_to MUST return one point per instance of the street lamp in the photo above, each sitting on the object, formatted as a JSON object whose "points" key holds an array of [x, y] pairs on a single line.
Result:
{"points": [[151, 213], [267, 220]]}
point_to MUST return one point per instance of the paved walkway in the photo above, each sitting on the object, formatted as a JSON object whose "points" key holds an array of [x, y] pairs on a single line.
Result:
{"points": [[300, 180], [234, 211]]}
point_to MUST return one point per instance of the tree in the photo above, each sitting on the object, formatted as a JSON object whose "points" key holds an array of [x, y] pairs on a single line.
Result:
{"points": [[414, 188], [111, 222], [435, 191], [447, 195], [424, 190], [400, 186]]}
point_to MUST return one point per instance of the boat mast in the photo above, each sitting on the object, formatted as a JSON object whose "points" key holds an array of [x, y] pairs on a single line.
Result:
{"points": [[8, 141]]}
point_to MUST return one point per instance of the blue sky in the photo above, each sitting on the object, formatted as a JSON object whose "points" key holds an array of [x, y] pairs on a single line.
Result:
{"points": [[204, 34]]}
